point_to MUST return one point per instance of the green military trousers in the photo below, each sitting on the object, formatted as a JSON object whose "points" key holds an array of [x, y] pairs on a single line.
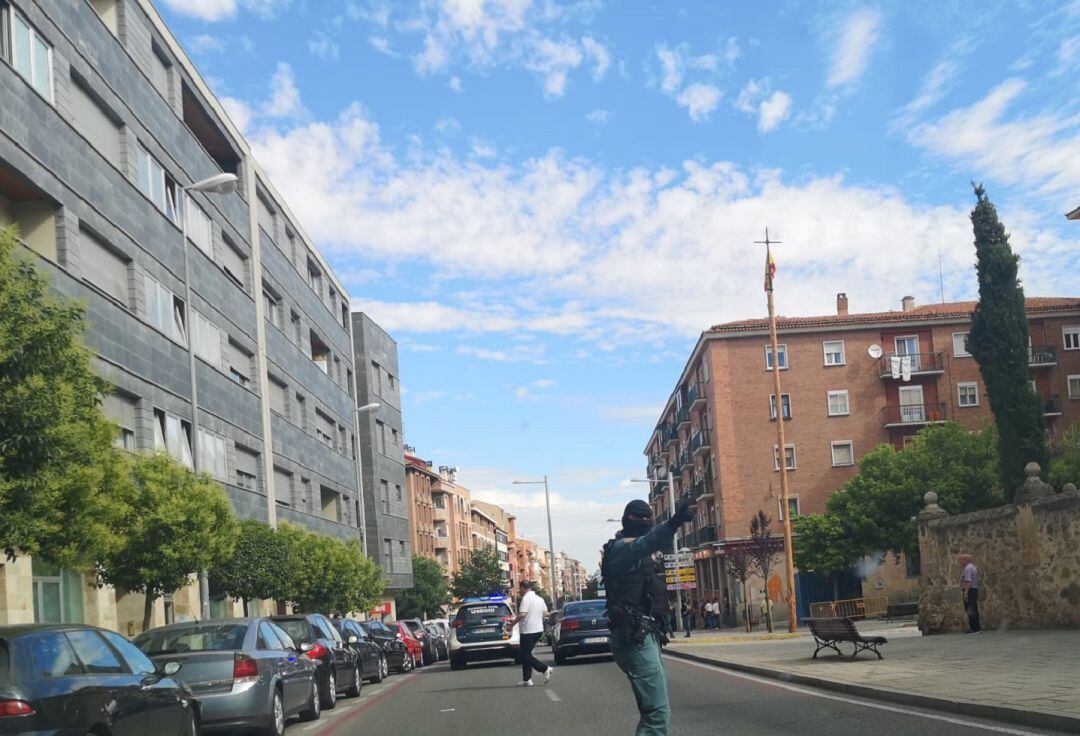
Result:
{"points": [[645, 670]]}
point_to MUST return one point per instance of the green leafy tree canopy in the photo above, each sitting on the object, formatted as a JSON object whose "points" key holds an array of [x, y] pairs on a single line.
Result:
{"points": [[256, 569], [1065, 465], [998, 341], [430, 591], [60, 475], [480, 575], [328, 575], [174, 523]]}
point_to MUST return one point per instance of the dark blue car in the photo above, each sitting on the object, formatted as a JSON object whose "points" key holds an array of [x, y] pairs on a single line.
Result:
{"points": [[69, 678], [582, 628]]}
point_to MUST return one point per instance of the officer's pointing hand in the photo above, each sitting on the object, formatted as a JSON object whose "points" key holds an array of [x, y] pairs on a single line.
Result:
{"points": [[683, 513]]}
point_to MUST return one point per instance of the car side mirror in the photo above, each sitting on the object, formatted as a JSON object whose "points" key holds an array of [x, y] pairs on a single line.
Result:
{"points": [[171, 668], [353, 638]]}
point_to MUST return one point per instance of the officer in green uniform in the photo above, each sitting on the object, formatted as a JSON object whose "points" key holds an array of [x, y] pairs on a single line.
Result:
{"points": [[637, 608]]}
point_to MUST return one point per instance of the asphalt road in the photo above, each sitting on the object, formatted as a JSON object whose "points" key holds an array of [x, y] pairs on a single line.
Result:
{"points": [[591, 696]]}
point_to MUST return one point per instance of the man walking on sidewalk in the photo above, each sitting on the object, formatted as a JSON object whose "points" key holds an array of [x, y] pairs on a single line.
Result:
{"points": [[969, 584], [530, 616], [687, 618]]}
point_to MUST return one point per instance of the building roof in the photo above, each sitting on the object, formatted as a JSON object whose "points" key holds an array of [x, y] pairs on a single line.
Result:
{"points": [[959, 311], [1074, 215]]}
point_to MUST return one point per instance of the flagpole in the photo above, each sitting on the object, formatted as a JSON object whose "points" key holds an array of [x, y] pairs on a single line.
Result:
{"points": [[789, 558]]}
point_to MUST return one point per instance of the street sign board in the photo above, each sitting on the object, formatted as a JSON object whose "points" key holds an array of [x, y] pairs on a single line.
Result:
{"points": [[682, 586]]}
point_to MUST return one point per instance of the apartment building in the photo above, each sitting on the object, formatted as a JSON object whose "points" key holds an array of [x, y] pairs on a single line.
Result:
{"points": [[531, 562], [230, 349], [382, 453], [570, 579], [419, 479], [850, 382], [451, 528], [504, 525]]}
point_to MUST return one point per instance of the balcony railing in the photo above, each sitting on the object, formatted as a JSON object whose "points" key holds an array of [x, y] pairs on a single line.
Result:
{"points": [[701, 489], [694, 394], [690, 540], [686, 460], [671, 433], [682, 416], [699, 442], [440, 514], [900, 415], [706, 534], [1051, 406], [891, 365], [1040, 355]]}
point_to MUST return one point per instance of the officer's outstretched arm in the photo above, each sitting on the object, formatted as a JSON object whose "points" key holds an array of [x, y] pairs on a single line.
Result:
{"points": [[660, 536]]}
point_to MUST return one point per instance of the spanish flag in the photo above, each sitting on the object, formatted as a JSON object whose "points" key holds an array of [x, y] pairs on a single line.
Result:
{"points": [[770, 268]]}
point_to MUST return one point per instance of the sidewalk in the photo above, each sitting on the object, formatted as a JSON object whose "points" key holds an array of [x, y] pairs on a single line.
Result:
{"points": [[1025, 677]]}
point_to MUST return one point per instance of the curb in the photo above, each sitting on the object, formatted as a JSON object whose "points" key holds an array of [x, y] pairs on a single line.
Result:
{"points": [[1018, 716], [681, 641]]}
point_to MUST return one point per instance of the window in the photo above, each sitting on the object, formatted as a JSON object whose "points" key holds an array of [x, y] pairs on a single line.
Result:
{"points": [[52, 656], [247, 468], [272, 308], [320, 353], [785, 402], [793, 506], [211, 450], [388, 548], [314, 276], [329, 503], [104, 267], [967, 394], [172, 435], [394, 438], [1070, 337], [301, 411], [94, 653], [31, 55], [265, 216], [279, 396], [789, 457], [239, 364], [1073, 383], [206, 339], [959, 345], [108, 11], [93, 120], [137, 662], [384, 490], [843, 453], [783, 363], [380, 432], [390, 381], [235, 263], [165, 311], [267, 638], [156, 184], [160, 70], [199, 231], [324, 428], [376, 379], [834, 352], [838, 404], [283, 487], [121, 411], [397, 488]]}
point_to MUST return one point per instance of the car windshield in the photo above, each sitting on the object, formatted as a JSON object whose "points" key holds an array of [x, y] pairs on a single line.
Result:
{"points": [[195, 638], [475, 614], [297, 628], [585, 608], [413, 626]]}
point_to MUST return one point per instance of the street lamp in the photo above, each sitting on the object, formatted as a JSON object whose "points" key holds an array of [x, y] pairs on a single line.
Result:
{"points": [[671, 505], [365, 409], [551, 539], [217, 184]]}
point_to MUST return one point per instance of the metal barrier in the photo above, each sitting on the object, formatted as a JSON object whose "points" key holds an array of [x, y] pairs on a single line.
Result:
{"points": [[851, 608]]}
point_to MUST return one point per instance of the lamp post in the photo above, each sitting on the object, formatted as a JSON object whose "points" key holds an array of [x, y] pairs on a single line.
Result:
{"points": [[365, 409], [551, 539], [671, 505], [223, 183]]}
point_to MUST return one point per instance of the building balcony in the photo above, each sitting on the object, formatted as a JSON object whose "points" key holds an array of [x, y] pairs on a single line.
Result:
{"points": [[699, 442], [1040, 356], [440, 514], [1051, 405], [690, 540], [686, 460], [706, 534], [442, 541], [914, 415], [922, 364], [695, 395], [682, 416], [670, 434], [701, 489]]}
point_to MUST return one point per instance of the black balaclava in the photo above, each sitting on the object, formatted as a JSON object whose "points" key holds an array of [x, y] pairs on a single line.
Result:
{"points": [[636, 527]]}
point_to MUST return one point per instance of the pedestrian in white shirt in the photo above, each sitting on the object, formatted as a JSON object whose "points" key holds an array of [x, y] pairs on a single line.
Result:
{"points": [[530, 616]]}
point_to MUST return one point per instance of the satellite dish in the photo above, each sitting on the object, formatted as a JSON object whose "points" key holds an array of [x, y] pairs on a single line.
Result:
{"points": [[875, 351]]}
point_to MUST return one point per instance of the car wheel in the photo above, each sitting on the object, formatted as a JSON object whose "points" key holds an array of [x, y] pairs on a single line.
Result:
{"points": [[329, 696], [314, 704], [275, 721], [407, 663], [458, 661], [380, 670], [358, 682]]}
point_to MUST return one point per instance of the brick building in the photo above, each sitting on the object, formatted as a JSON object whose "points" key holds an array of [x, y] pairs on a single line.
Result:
{"points": [[440, 513], [850, 382]]}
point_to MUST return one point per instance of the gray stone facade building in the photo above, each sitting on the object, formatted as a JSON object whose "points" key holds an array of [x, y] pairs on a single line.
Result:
{"points": [[104, 121], [382, 450]]}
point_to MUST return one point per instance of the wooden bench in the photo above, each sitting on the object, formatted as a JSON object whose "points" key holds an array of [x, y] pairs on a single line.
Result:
{"points": [[829, 632]]}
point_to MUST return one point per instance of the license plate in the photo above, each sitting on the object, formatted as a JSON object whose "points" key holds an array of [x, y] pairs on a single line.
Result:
{"points": [[596, 640], [488, 630]]}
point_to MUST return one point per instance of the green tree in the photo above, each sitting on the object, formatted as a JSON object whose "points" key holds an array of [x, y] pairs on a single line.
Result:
{"points": [[60, 475], [328, 575], [480, 575], [998, 341], [257, 567], [823, 546], [764, 548], [591, 586], [174, 523], [1065, 465], [430, 591], [740, 562]]}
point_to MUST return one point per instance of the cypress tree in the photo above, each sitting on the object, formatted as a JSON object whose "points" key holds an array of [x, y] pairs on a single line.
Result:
{"points": [[999, 343]]}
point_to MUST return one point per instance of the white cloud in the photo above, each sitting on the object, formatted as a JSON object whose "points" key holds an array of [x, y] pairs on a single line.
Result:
{"points": [[422, 397], [853, 46], [636, 414], [382, 45], [455, 84], [284, 96], [239, 112], [205, 43], [323, 46], [481, 149], [212, 11], [774, 110], [598, 116], [519, 353], [553, 60], [671, 69], [599, 55], [700, 100]]}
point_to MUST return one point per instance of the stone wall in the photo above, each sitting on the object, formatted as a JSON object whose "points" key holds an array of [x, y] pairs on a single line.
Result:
{"points": [[1028, 555]]}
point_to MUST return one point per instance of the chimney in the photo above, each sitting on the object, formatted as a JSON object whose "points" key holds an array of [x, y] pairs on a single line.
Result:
{"points": [[841, 304], [907, 303]]}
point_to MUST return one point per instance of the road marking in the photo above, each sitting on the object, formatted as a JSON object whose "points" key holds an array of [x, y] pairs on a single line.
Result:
{"points": [[447, 710], [552, 696], [856, 701]]}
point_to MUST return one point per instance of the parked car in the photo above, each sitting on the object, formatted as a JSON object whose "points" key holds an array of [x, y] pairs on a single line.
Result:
{"points": [[430, 648], [337, 668], [483, 629], [69, 678], [581, 628], [247, 673], [397, 654], [440, 634], [373, 666], [404, 633]]}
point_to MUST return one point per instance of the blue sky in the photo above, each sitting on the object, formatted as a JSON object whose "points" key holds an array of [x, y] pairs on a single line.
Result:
{"points": [[546, 202]]}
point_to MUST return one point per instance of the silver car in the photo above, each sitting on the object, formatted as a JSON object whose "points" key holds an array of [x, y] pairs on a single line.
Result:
{"points": [[246, 673]]}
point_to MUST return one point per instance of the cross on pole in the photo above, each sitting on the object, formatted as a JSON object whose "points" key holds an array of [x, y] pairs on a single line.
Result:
{"points": [[789, 558]]}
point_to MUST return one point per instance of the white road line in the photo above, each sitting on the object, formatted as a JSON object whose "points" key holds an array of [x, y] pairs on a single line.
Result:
{"points": [[857, 701], [552, 695]]}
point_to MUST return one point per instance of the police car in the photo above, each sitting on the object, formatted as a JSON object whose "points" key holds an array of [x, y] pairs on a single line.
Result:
{"points": [[483, 629]]}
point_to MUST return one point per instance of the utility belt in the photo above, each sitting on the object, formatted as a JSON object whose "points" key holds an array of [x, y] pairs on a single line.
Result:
{"points": [[636, 626]]}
